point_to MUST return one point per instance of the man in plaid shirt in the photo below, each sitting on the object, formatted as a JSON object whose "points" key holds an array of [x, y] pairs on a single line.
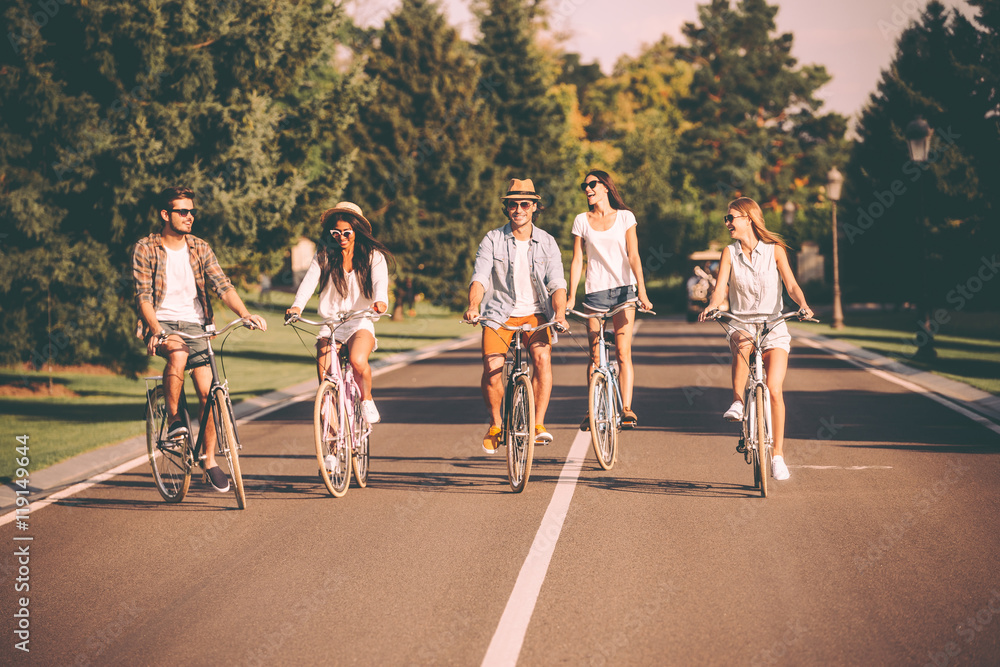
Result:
{"points": [[171, 271]]}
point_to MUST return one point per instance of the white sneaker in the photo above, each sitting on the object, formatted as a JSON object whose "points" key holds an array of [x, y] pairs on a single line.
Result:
{"points": [[779, 470], [735, 412], [370, 412], [332, 464]]}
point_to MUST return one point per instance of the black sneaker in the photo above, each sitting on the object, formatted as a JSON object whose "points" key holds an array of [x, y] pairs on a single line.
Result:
{"points": [[218, 479], [176, 430]]}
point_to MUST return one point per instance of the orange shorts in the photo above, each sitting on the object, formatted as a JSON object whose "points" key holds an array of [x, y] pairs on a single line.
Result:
{"points": [[496, 341]]}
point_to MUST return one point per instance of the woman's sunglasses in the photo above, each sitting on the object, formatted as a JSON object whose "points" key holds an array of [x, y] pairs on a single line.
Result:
{"points": [[729, 218], [336, 234], [588, 184], [525, 205]]}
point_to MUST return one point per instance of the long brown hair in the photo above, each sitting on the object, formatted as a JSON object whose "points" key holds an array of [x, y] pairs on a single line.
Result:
{"points": [[331, 257], [614, 198], [751, 209]]}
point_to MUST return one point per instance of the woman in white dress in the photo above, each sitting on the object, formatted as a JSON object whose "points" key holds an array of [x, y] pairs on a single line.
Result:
{"points": [[751, 272], [351, 268], [606, 233]]}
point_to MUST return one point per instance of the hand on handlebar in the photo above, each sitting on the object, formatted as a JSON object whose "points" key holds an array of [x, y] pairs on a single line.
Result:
{"points": [[708, 314], [471, 316], [807, 313], [292, 315]]}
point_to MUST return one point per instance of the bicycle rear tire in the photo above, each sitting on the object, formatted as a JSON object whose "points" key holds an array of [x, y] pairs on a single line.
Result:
{"points": [[603, 427], [230, 444], [520, 433], [169, 459], [330, 441], [359, 442], [763, 451]]}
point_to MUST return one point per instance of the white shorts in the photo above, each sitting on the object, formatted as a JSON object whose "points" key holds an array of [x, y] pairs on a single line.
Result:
{"points": [[779, 338], [348, 329]]}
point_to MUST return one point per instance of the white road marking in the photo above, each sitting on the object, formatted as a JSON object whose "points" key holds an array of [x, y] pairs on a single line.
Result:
{"points": [[979, 419], [842, 467], [509, 636]]}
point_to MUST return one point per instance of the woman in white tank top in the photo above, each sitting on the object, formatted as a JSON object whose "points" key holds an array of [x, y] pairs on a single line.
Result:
{"points": [[751, 272], [614, 274]]}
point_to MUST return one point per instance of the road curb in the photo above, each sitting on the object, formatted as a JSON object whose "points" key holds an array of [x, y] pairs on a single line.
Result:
{"points": [[978, 401], [84, 466]]}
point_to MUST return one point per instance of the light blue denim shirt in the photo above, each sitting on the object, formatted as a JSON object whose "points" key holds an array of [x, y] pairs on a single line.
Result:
{"points": [[494, 270]]}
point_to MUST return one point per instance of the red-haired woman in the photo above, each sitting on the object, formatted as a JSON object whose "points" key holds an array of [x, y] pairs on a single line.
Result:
{"points": [[351, 268], [751, 272]]}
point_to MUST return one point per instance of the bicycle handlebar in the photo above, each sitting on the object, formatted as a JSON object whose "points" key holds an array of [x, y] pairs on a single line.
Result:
{"points": [[210, 331], [338, 319], [611, 313], [523, 328], [716, 314]]}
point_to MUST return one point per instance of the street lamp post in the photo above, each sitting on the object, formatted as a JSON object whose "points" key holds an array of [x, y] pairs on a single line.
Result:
{"points": [[834, 181], [918, 140]]}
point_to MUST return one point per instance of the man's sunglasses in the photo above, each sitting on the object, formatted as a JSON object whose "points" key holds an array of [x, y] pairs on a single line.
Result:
{"points": [[336, 234], [588, 184], [525, 205], [183, 212]]}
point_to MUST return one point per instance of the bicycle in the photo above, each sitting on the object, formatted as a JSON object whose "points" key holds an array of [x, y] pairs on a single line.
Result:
{"points": [[517, 422], [756, 439], [604, 394], [172, 459], [338, 401]]}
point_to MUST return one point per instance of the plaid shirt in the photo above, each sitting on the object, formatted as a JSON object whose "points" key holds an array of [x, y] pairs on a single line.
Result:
{"points": [[149, 267]]}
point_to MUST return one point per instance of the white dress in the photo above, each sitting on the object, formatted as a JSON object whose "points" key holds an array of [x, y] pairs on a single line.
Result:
{"points": [[332, 302]]}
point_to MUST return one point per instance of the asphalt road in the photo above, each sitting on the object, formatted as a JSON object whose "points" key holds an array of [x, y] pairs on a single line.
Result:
{"points": [[882, 548]]}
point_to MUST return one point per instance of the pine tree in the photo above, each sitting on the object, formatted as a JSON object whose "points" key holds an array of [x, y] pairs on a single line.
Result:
{"points": [[425, 152]]}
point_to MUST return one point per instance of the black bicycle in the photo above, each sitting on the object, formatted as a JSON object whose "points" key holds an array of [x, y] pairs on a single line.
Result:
{"points": [[173, 459]]}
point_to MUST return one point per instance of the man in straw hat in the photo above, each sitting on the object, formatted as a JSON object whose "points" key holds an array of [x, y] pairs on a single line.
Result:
{"points": [[519, 273]]}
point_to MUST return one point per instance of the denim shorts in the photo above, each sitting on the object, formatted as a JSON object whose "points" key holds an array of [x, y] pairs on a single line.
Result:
{"points": [[198, 349], [609, 298]]}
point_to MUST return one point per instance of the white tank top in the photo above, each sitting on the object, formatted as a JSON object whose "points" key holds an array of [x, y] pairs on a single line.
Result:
{"points": [[754, 284]]}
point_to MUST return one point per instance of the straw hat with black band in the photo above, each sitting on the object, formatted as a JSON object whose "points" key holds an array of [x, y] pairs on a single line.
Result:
{"points": [[350, 208], [518, 189]]}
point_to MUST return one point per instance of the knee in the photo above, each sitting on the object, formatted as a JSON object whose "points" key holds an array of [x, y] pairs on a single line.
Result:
{"points": [[541, 356], [777, 397], [359, 364]]}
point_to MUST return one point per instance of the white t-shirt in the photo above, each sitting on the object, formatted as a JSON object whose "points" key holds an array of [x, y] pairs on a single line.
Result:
{"points": [[525, 300], [180, 296], [607, 258]]}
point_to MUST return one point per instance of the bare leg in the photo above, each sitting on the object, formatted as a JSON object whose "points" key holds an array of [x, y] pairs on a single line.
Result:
{"points": [[623, 347], [173, 373], [740, 346], [492, 385], [776, 365], [202, 383], [541, 379], [324, 356], [359, 347]]}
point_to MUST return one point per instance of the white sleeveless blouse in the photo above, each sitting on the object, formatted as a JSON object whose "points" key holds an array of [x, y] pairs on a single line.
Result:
{"points": [[754, 284]]}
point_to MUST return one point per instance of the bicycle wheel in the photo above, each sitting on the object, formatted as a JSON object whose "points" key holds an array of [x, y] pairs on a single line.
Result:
{"points": [[359, 442], [169, 459], [763, 450], [225, 428], [520, 434], [603, 429], [330, 441]]}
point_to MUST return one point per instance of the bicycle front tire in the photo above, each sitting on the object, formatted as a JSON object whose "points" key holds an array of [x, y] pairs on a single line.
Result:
{"points": [[763, 451], [520, 434], [330, 441], [229, 444], [169, 459], [603, 429]]}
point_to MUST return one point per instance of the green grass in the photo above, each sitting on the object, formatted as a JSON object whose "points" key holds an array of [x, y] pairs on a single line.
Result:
{"points": [[109, 408], [968, 344]]}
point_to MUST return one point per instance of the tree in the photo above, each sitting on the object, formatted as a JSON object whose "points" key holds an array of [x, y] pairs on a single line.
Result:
{"points": [[107, 103], [755, 127], [916, 231], [426, 151]]}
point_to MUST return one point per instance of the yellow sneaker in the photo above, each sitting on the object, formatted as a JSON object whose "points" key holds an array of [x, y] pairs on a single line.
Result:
{"points": [[491, 443], [542, 436]]}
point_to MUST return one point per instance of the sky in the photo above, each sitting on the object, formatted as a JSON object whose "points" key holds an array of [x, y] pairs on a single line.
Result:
{"points": [[854, 39]]}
